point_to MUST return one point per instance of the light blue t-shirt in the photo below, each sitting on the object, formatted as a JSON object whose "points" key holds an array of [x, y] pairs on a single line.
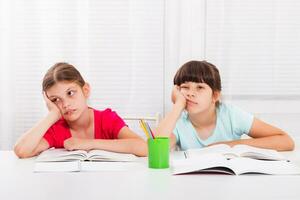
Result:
{"points": [[231, 124]]}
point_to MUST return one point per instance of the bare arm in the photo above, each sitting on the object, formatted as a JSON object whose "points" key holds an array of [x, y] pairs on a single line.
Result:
{"points": [[31, 142], [167, 125], [266, 136], [127, 142]]}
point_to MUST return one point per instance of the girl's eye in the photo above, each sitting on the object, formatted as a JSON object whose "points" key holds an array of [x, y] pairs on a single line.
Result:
{"points": [[183, 87], [55, 100], [71, 93], [200, 87]]}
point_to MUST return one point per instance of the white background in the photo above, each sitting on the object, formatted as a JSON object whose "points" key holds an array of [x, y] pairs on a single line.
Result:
{"points": [[129, 50]]}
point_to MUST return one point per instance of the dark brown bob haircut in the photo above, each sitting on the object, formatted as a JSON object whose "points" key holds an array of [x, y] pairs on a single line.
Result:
{"points": [[199, 72]]}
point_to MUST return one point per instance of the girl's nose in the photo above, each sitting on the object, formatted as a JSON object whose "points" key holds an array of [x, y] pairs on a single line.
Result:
{"points": [[191, 93], [65, 104]]}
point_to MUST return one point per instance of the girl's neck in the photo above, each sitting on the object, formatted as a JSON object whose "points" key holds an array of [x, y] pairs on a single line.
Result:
{"points": [[205, 118], [83, 122]]}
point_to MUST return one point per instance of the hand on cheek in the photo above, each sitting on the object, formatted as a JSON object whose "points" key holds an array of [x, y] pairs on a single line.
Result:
{"points": [[178, 96], [52, 107]]}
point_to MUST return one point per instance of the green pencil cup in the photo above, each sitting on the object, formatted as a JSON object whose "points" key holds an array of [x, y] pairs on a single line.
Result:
{"points": [[158, 152]]}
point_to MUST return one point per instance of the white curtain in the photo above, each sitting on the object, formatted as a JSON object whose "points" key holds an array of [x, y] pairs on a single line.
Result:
{"points": [[129, 51], [117, 45], [254, 43]]}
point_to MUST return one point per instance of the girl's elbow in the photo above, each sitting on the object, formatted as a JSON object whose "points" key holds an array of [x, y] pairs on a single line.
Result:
{"points": [[21, 153], [291, 144], [18, 151]]}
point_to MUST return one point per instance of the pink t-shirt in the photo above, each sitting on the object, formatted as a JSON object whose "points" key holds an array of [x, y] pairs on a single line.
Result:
{"points": [[107, 125]]}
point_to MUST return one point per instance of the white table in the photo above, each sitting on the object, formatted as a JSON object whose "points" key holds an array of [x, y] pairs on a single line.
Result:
{"points": [[18, 181]]}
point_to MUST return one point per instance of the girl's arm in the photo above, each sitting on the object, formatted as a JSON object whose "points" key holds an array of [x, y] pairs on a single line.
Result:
{"points": [[167, 125], [32, 142], [127, 142], [266, 136]]}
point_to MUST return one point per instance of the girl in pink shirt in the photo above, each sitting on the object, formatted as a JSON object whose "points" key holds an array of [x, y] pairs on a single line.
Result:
{"points": [[72, 124]]}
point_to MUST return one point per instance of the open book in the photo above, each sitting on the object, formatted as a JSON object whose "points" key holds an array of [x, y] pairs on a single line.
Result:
{"points": [[241, 159], [62, 160], [236, 151], [78, 166], [52, 155]]}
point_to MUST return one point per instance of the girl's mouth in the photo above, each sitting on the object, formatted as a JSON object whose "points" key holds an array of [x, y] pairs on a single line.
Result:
{"points": [[188, 102], [69, 112]]}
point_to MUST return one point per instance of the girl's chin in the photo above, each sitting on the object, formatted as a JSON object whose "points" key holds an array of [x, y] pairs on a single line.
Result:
{"points": [[70, 118], [192, 110]]}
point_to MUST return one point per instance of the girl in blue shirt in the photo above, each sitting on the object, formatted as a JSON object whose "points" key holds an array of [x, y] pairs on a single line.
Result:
{"points": [[199, 119]]}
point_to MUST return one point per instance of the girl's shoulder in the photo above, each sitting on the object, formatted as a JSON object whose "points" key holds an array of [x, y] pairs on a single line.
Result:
{"points": [[235, 113], [105, 112], [107, 115], [229, 109], [60, 123]]}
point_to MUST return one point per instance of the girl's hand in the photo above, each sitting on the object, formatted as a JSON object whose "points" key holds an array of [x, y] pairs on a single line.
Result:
{"points": [[177, 97], [77, 144], [53, 109]]}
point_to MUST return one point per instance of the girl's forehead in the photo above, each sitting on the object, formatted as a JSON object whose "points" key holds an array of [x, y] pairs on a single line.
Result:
{"points": [[61, 87], [66, 83]]}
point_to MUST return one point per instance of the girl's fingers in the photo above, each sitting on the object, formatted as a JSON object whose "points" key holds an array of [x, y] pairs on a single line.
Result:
{"points": [[45, 97], [49, 103]]}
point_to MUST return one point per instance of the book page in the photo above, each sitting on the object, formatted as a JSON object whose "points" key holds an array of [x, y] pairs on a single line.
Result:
{"points": [[251, 166], [214, 149], [101, 155], [204, 163], [257, 153], [61, 155]]}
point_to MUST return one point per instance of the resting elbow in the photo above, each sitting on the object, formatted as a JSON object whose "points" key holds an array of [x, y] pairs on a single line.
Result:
{"points": [[291, 144], [21, 153]]}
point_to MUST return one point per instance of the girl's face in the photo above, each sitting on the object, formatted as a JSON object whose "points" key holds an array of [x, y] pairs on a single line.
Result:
{"points": [[70, 98], [199, 96]]}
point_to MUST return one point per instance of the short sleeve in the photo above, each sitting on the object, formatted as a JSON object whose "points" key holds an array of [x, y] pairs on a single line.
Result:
{"points": [[48, 136], [176, 133], [57, 134], [180, 127], [114, 123], [241, 121]]}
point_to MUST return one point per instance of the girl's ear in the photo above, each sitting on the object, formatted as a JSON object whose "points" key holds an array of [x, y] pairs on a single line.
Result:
{"points": [[216, 96], [86, 90]]}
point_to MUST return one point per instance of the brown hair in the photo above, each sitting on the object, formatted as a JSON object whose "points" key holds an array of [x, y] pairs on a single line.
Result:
{"points": [[62, 72], [199, 72]]}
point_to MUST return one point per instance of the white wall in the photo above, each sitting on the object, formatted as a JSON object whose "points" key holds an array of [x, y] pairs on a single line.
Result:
{"points": [[117, 46], [255, 45], [129, 50]]}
